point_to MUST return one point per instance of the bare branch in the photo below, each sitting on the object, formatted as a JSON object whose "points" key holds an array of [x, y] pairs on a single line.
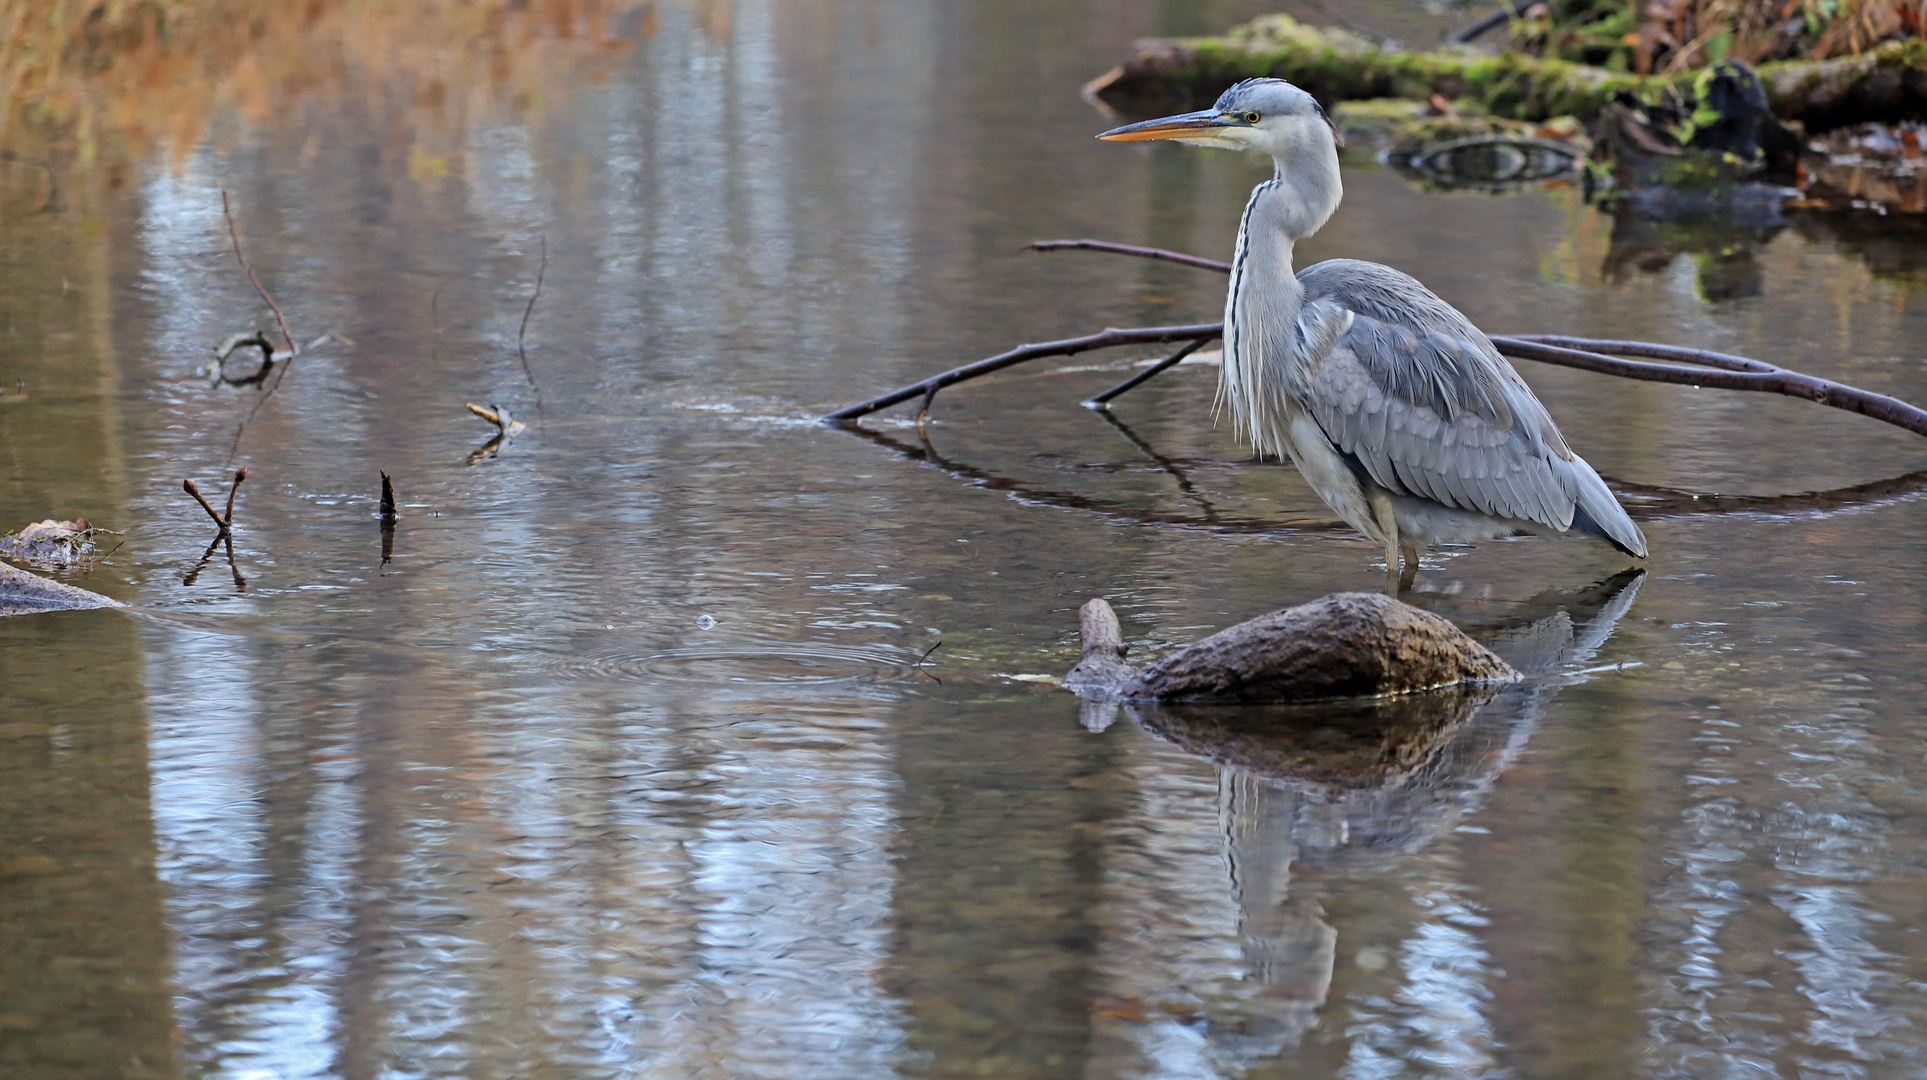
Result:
{"points": [[1161, 254], [1147, 374], [1772, 380], [293, 349], [928, 388]]}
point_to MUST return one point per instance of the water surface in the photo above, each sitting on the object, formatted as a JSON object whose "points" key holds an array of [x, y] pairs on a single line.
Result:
{"points": [[634, 759]]}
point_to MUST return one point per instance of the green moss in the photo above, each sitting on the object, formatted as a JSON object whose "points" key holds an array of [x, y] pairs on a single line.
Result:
{"points": [[1339, 66]]}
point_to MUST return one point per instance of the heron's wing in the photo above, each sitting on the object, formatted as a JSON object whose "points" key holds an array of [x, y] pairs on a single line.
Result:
{"points": [[1424, 404]]}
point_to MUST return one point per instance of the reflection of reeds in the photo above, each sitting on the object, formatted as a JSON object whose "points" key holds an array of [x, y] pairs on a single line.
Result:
{"points": [[93, 77]]}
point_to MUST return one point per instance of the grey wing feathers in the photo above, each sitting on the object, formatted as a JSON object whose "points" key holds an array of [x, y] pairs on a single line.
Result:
{"points": [[1419, 397]]}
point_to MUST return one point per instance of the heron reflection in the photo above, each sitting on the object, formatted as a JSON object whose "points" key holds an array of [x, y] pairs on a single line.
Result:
{"points": [[1314, 793]]}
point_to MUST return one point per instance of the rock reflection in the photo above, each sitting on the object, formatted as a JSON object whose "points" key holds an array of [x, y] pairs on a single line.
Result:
{"points": [[1337, 791]]}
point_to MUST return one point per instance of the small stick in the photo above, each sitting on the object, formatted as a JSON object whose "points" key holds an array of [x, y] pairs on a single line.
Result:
{"points": [[227, 519], [1147, 374], [194, 489], [387, 499], [1179, 257], [522, 333], [497, 415], [927, 388], [293, 349]]}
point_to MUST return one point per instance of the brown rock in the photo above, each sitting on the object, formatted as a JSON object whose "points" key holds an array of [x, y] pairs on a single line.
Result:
{"points": [[1338, 646]]}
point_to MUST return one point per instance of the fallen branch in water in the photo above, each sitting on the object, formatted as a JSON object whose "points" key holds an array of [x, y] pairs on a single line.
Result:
{"points": [[1757, 375], [1718, 370], [1068, 347]]}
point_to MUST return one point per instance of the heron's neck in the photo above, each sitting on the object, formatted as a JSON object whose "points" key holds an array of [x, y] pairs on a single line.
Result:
{"points": [[1303, 194], [1262, 306], [1305, 190]]}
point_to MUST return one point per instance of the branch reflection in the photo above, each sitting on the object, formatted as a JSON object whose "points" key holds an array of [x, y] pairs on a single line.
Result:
{"points": [[1644, 502]]}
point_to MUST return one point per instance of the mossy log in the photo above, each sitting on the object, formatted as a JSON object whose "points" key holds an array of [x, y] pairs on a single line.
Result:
{"points": [[1338, 646], [1888, 83]]}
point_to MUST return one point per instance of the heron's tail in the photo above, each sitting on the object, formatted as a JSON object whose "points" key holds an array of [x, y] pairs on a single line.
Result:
{"points": [[1596, 511]]}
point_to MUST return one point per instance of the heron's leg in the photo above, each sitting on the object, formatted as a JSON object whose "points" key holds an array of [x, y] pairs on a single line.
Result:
{"points": [[1387, 526], [1410, 575]]}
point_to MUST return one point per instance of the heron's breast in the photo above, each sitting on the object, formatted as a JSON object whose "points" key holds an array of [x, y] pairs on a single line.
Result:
{"points": [[1325, 470]]}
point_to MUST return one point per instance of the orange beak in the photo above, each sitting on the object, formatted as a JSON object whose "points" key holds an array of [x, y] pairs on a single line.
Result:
{"points": [[1182, 126]]}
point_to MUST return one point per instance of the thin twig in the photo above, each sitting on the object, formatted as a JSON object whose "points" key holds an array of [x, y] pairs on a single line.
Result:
{"points": [[1147, 374], [522, 333], [928, 388], [240, 474], [293, 349], [194, 489], [1179, 257]]}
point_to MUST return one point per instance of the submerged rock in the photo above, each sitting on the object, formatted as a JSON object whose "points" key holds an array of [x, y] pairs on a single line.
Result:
{"points": [[22, 593]]}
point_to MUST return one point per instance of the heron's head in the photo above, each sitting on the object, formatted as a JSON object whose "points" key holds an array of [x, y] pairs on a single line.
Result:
{"points": [[1268, 115]]}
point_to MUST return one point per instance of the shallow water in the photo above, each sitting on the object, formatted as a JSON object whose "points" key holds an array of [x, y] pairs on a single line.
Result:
{"points": [[635, 757]]}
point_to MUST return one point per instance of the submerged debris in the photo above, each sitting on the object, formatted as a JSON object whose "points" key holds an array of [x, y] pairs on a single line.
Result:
{"points": [[53, 543]]}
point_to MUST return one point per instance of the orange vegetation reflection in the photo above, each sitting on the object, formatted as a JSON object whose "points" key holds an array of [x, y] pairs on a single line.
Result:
{"points": [[122, 77]]}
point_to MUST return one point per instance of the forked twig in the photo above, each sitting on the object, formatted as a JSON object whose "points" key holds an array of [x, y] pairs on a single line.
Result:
{"points": [[224, 522]]}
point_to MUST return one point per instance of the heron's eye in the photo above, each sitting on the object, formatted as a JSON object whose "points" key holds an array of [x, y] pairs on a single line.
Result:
{"points": [[1250, 117]]}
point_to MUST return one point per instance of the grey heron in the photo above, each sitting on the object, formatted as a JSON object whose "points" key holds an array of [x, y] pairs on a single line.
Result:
{"points": [[1398, 411]]}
